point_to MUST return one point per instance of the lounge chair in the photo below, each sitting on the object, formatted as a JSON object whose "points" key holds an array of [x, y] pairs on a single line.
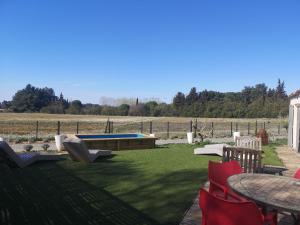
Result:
{"points": [[78, 151], [9, 156], [212, 149]]}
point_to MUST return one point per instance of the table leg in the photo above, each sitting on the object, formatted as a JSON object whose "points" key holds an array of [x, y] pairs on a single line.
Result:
{"points": [[296, 219]]}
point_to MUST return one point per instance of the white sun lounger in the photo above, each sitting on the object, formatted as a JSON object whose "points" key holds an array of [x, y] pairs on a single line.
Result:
{"points": [[8, 155], [79, 152], [213, 149]]}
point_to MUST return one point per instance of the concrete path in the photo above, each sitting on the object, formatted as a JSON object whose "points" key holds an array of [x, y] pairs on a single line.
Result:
{"points": [[290, 159]]}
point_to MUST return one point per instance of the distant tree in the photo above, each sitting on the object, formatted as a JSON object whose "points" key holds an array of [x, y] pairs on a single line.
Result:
{"points": [[164, 109], [253, 101], [150, 108], [5, 104], [91, 109], [54, 108], [247, 95], [261, 92], [32, 99], [192, 97], [137, 110], [123, 110], [109, 110], [179, 100], [271, 93], [280, 90], [75, 107], [61, 97]]}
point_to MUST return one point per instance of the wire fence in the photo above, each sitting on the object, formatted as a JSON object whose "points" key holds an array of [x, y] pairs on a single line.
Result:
{"points": [[14, 130]]}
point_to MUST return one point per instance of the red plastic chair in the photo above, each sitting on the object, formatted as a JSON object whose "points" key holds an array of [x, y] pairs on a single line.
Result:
{"points": [[218, 174], [297, 174], [217, 211]]}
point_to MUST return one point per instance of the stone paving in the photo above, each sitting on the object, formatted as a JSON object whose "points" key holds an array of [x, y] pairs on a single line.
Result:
{"points": [[290, 159]]}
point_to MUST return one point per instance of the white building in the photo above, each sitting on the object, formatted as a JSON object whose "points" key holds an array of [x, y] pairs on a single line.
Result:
{"points": [[294, 122]]}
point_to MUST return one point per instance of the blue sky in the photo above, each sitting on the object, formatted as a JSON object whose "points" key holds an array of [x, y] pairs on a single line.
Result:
{"points": [[147, 48]]}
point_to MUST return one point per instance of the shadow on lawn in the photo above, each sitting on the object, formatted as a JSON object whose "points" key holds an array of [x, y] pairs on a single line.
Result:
{"points": [[164, 198], [177, 192], [49, 194]]}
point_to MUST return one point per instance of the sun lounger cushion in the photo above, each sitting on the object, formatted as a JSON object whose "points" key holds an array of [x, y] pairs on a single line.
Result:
{"points": [[78, 151]]}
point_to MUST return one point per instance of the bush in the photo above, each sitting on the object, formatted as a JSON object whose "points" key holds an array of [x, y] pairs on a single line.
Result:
{"points": [[45, 146], [31, 140], [27, 148], [46, 140], [18, 140]]}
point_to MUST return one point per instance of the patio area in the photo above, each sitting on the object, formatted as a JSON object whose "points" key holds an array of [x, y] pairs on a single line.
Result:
{"points": [[131, 187], [290, 159]]}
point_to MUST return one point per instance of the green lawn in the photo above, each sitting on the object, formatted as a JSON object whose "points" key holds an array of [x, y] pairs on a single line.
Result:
{"points": [[132, 187], [270, 156]]}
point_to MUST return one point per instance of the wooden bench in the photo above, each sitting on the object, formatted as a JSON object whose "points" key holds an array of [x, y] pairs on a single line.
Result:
{"points": [[250, 160], [248, 142]]}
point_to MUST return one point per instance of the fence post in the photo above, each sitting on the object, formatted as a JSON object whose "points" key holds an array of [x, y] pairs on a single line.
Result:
{"points": [[168, 130], [256, 127], [212, 129], [150, 128], [77, 127], [111, 127], [248, 128], [191, 126], [231, 129], [58, 127], [236, 126], [195, 127], [37, 130], [279, 126], [108, 127], [264, 125]]}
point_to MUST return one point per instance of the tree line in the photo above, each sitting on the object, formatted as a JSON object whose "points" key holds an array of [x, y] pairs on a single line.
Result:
{"points": [[251, 102]]}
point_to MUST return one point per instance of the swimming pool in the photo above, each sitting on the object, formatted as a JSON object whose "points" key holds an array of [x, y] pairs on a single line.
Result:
{"points": [[93, 136], [118, 141]]}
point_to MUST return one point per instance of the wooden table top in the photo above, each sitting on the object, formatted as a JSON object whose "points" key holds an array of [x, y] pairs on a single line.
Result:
{"points": [[277, 192]]}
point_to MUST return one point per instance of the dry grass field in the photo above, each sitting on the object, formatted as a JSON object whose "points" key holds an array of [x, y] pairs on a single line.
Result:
{"points": [[98, 118], [14, 125]]}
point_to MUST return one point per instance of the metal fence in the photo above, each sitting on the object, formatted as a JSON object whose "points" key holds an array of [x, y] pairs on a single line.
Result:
{"points": [[164, 130]]}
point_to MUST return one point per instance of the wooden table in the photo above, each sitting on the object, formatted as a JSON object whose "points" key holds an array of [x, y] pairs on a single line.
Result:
{"points": [[270, 191]]}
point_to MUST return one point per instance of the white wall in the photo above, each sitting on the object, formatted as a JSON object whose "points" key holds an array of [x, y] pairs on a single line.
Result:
{"points": [[295, 102]]}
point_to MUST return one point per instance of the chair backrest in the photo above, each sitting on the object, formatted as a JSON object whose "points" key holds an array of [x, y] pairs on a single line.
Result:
{"points": [[220, 171], [218, 211], [77, 149], [248, 142], [249, 159], [9, 156], [297, 174]]}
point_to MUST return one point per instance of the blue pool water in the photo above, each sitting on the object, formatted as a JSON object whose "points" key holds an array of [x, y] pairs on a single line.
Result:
{"points": [[110, 136]]}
